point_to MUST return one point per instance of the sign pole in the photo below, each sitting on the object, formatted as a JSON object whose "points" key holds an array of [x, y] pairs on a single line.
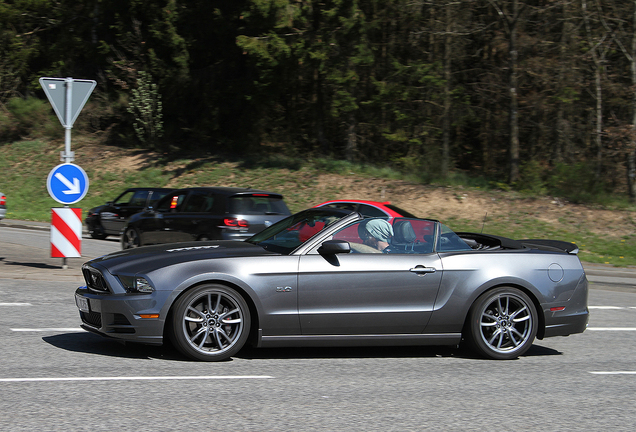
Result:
{"points": [[67, 183], [68, 156]]}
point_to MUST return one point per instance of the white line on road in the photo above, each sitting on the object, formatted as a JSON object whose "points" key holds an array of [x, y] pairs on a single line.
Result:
{"points": [[52, 329], [611, 328], [606, 307], [138, 378], [614, 373], [16, 304]]}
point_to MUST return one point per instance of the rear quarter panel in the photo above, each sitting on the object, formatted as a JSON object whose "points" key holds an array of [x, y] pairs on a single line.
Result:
{"points": [[550, 278]]}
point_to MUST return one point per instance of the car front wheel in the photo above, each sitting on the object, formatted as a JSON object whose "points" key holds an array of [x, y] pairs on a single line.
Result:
{"points": [[502, 324], [210, 323], [131, 238], [97, 232]]}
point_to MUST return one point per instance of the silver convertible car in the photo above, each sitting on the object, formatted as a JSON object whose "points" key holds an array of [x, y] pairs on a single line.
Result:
{"points": [[330, 277]]}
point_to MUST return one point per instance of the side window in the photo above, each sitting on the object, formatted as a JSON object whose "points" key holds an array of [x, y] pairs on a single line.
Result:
{"points": [[450, 242], [370, 211], [171, 202], [124, 198], [198, 202], [139, 199], [343, 206], [393, 236], [356, 235], [412, 236]]}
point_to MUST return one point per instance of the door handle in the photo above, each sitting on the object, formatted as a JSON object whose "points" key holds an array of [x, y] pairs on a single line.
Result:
{"points": [[420, 269]]}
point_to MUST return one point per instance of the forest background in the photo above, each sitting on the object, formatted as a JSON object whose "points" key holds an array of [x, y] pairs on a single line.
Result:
{"points": [[536, 95]]}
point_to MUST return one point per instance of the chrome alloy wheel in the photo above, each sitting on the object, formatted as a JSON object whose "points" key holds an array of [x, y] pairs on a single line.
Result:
{"points": [[503, 323], [506, 323], [213, 321]]}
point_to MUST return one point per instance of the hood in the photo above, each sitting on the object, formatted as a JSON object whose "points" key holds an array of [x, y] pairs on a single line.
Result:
{"points": [[148, 258]]}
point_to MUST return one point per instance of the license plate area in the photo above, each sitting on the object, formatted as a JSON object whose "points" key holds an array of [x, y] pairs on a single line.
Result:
{"points": [[82, 303]]}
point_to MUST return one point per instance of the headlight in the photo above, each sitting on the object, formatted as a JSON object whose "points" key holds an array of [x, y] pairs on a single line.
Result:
{"points": [[136, 284]]}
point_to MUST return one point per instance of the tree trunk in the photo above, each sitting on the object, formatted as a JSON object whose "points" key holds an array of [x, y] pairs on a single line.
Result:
{"points": [[447, 93], [514, 105], [631, 153], [352, 139]]}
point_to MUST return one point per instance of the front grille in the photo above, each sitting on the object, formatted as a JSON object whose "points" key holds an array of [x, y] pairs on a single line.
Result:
{"points": [[93, 319], [94, 279]]}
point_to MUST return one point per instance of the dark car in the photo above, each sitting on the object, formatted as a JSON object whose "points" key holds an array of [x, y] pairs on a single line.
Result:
{"points": [[110, 218], [427, 286], [205, 213]]}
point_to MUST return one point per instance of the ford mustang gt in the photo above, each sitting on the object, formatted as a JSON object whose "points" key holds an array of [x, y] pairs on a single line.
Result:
{"points": [[331, 277]]}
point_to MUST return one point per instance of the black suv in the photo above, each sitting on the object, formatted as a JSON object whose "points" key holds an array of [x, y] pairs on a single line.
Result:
{"points": [[110, 218], [205, 213]]}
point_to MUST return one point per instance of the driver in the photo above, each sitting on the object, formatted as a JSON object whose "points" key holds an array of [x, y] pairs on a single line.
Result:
{"points": [[376, 233]]}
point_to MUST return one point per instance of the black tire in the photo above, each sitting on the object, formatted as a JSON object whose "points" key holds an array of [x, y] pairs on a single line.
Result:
{"points": [[131, 238], [97, 232], [210, 322], [502, 324]]}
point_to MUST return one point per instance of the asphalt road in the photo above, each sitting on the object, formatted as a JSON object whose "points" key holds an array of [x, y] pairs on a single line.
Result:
{"points": [[56, 377]]}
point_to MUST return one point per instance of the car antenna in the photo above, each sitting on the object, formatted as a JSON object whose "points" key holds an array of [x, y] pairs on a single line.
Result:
{"points": [[484, 223]]}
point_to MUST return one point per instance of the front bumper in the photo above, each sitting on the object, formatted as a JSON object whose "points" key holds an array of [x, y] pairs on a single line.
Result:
{"points": [[119, 316]]}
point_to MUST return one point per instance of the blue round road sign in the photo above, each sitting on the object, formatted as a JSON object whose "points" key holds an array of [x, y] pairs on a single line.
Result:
{"points": [[67, 183]]}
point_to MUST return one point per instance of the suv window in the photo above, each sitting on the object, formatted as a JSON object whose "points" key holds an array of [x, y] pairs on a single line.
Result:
{"points": [[250, 204], [124, 198], [139, 199], [172, 202], [199, 202]]}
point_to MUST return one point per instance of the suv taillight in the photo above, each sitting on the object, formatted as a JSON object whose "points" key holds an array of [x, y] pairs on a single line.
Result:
{"points": [[235, 223], [3, 200]]}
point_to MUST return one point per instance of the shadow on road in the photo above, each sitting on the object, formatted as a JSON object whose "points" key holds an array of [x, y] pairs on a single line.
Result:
{"points": [[89, 343], [93, 344]]}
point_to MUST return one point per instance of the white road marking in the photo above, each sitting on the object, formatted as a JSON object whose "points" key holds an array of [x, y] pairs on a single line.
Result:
{"points": [[611, 328], [606, 307], [614, 373], [52, 329], [16, 304], [137, 378]]}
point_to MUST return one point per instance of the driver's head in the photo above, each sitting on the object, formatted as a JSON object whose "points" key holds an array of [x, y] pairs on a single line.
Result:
{"points": [[379, 229]]}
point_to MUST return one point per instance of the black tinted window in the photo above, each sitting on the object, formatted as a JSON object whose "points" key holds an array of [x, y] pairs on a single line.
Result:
{"points": [[370, 211], [257, 205], [401, 211], [171, 202], [199, 202], [139, 199], [124, 198]]}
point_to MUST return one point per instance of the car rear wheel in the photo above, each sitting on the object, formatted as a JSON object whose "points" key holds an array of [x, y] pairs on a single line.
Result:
{"points": [[502, 324], [210, 323], [131, 238]]}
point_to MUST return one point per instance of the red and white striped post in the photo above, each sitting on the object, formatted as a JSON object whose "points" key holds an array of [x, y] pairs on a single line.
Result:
{"points": [[66, 233]]}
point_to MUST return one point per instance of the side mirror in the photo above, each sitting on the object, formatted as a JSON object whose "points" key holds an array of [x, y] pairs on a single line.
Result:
{"points": [[331, 247]]}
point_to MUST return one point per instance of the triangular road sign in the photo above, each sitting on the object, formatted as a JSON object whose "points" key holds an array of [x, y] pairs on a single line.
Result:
{"points": [[63, 91]]}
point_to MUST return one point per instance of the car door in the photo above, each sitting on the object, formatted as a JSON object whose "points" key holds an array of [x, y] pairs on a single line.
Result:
{"points": [[124, 208], [111, 214], [195, 219], [367, 293], [158, 225]]}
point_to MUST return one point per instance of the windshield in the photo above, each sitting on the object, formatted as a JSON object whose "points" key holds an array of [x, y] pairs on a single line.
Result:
{"points": [[285, 236]]}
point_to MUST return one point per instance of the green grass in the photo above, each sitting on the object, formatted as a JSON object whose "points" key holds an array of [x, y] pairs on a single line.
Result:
{"points": [[25, 165]]}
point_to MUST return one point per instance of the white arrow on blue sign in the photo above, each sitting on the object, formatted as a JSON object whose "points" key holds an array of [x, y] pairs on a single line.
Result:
{"points": [[67, 183]]}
